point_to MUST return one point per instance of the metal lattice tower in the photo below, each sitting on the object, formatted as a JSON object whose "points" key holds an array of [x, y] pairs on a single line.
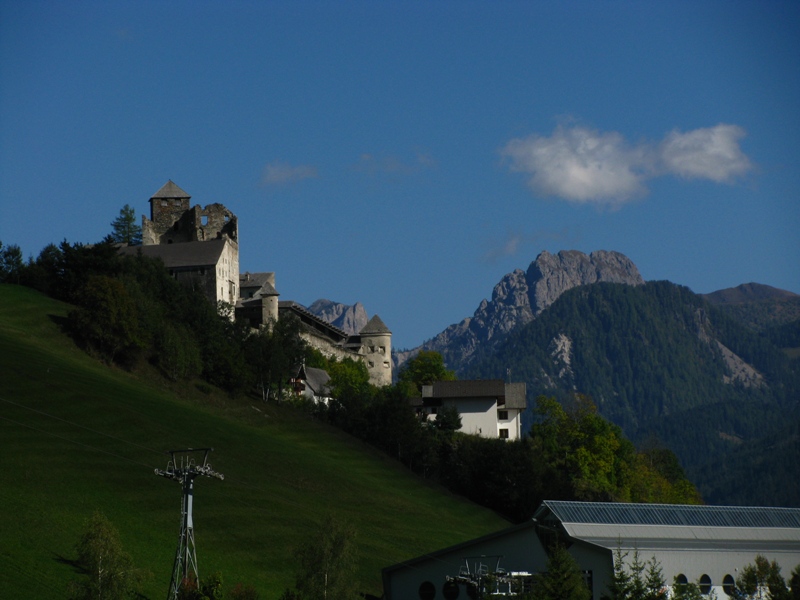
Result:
{"points": [[183, 468]]}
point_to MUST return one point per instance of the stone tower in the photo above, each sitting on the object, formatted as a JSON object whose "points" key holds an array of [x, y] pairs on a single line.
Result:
{"points": [[376, 347], [172, 220]]}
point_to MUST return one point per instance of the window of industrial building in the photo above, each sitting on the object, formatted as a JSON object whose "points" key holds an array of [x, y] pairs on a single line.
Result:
{"points": [[728, 585], [450, 590], [705, 584], [427, 591]]}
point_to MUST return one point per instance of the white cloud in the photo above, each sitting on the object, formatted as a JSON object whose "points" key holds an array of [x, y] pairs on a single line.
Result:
{"points": [[582, 165], [283, 173], [392, 165], [711, 153], [579, 165]]}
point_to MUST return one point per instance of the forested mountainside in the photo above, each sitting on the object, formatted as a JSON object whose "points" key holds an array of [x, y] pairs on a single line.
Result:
{"points": [[758, 306], [669, 368], [519, 297]]}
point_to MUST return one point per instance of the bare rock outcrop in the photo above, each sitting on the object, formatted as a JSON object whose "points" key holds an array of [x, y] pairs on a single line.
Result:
{"points": [[521, 295], [350, 318]]}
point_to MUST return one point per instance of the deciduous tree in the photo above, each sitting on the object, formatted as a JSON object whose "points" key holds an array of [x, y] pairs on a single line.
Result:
{"points": [[425, 368], [108, 568], [327, 563]]}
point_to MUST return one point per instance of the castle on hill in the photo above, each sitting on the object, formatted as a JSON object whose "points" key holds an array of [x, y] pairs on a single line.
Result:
{"points": [[200, 248]]}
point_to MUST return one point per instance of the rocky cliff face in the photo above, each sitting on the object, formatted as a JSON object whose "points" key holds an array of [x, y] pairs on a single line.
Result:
{"points": [[521, 295], [349, 318]]}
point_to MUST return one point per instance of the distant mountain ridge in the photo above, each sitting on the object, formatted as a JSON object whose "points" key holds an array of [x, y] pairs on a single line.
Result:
{"points": [[350, 318], [748, 292], [520, 297], [669, 368], [756, 305]]}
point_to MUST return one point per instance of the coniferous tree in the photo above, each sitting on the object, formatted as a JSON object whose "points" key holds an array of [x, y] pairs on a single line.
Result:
{"points": [[125, 230], [638, 583], [655, 584], [620, 586], [562, 580]]}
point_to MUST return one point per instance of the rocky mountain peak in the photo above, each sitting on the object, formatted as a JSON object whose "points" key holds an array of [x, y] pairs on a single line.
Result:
{"points": [[350, 318], [522, 295]]}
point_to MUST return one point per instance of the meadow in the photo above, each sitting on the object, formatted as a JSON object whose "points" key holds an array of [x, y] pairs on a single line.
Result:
{"points": [[78, 436]]}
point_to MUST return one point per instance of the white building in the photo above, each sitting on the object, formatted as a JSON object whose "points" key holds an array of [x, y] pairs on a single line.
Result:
{"points": [[708, 545], [488, 407]]}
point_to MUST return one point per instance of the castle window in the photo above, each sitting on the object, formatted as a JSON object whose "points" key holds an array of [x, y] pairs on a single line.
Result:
{"points": [[371, 364], [204, 220], [386, 364], [383, 349]]}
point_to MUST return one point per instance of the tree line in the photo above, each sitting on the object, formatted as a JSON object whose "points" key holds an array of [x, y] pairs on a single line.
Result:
{"points": [[128, 310]]}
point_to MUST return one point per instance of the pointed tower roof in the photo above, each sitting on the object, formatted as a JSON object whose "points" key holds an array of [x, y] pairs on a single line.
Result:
{"points": [[170, 190], [374, 327]]}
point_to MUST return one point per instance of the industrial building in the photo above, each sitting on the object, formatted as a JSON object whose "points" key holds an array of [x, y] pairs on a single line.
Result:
{"points": [[708, 545]]}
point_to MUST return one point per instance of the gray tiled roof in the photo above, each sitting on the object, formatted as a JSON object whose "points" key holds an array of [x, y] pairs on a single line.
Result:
{"points": [[509, 395], [374, 325], [187, 254], [310, 318], [263, 283], [474, 388], [170, 190]]}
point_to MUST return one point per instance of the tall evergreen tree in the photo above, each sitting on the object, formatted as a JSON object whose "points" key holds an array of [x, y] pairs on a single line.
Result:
{"points": [[655, 584], [562, 580], [620, 586], [125, 230]]}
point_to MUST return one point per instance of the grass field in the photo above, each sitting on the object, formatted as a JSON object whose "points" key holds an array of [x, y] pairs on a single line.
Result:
{"points": [[77, 436]]}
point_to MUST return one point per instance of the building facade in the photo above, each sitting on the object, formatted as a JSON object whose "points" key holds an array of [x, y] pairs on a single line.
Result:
{"points": [[706, 545], [488, 407], [200, 248]]}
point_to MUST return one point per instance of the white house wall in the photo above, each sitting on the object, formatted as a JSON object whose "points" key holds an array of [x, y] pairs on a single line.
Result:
{"points": [[478, 416], [227, 287], [513, 424]]}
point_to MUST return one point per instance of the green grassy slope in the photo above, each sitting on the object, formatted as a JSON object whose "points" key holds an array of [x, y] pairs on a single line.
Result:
{"points": [[76, 436]]}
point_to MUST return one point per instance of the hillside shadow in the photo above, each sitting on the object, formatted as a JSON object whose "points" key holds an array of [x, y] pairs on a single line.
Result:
{"points": [[76, 566], [60, 322]]}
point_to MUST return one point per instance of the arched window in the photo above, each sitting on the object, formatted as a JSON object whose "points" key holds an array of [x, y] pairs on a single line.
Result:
{"points": [[705, 584], [680, 579], [728, 585], [427, 591], [450, 590]]}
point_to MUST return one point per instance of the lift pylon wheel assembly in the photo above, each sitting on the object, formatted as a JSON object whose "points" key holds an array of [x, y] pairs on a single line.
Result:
{"points": [[183, 467]]}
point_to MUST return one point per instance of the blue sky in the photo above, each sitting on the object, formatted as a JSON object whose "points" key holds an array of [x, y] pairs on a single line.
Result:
{"points": [[407, 155]]}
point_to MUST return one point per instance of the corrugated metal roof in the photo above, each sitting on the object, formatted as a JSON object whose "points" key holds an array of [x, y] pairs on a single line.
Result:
{"points": [[612, 513]]}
